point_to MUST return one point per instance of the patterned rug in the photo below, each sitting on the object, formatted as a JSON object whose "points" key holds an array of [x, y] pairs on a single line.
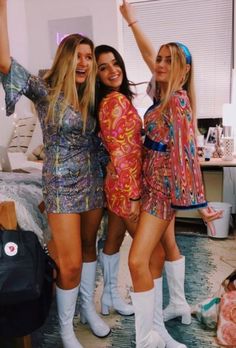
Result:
{"points": [[198, 286], [202, 270]]}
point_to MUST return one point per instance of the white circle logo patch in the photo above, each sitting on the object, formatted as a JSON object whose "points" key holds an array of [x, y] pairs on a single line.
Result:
{"points": [[11, 249]]}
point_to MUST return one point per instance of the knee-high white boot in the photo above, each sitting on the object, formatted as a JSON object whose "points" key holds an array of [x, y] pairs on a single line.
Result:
{"points": [[111, 296], [146, 337], [178, 306], [66, 302], [158, 323], [88, 313]]}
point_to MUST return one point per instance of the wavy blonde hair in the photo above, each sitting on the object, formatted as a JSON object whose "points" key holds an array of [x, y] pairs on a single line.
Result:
{"points": [[179, 77], [61, 78]]}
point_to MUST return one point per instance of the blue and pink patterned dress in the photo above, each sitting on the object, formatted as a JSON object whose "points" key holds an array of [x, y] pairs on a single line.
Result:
{"points": [[72, 172], [172, 177], [121, 127]]}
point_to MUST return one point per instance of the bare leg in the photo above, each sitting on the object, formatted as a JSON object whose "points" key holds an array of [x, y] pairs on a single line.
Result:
{"points": [[90, 222], [110, 263], [115, 234], [66, 245], [158, 256], [157, 261], [169, 242], [67, 248], [146, 239]]}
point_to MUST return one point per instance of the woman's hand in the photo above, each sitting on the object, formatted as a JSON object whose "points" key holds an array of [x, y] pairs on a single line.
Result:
{"points": [[134, 211], [111, 171], [147, 50], [128, 12], [208, 214]]}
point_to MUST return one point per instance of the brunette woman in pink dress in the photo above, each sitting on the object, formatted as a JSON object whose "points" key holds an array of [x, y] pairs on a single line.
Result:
{"points": [[120, 130], [171, 181]]}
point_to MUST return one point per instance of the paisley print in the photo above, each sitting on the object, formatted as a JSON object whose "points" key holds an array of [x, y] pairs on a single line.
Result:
{"points": [[172, 179], [121, 134]]}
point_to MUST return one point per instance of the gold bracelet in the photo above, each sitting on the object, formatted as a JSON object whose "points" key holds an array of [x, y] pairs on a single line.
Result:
{"points": [[132, 23]]}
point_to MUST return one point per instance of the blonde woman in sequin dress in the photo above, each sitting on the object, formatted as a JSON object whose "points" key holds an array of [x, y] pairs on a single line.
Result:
{"points": [[72, 176]]}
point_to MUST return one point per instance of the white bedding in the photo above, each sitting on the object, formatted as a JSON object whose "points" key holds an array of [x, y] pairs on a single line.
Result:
{"points": [[26, 191], [19, 161]]}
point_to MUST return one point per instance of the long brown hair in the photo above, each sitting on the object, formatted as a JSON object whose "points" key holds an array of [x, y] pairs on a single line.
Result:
{"points": [[61, 78]]}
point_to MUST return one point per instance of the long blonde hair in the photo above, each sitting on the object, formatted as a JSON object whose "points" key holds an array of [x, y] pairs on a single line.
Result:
{"points": [[61, 78], [179, 77]]}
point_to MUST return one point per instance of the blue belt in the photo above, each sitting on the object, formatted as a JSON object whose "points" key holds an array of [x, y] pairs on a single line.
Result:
{"points": [[154, 145]]}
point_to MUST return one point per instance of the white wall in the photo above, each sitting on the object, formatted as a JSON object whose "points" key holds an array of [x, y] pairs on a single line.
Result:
{"points": [[234, 34], [29, 36], [19, 49], [103, 12]]}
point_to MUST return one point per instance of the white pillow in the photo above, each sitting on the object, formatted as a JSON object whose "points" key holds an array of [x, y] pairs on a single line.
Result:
{"points": [[36, 140], [22, 134]]}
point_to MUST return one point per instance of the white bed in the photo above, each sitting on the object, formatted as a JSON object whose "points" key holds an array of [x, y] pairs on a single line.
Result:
{"points": [[19, 160], [25, 189]]}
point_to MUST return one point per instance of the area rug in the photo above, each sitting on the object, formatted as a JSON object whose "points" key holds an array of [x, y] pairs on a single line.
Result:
{"points": [[200, 267], [206, 265]]}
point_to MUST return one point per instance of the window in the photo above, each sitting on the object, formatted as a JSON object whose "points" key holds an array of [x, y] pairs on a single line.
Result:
{"points": [[205, 26]]}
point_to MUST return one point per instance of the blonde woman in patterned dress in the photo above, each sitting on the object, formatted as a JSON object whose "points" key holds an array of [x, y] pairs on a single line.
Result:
{"points": [[120, 130], [72, 176], [171, 181]]}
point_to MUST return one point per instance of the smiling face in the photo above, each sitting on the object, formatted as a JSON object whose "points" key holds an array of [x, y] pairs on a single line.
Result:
{"points": [[84, 62], [109, 71], [163, 65]]}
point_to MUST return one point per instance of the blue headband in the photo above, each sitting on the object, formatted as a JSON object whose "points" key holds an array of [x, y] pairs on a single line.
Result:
{"points": [[185, 51]]}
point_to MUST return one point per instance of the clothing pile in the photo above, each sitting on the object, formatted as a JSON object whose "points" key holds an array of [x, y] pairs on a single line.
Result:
{"points": [[218, 313]]}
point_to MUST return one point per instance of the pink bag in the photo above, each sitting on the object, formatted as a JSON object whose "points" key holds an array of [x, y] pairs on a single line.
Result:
{"points": [[226, 329]]}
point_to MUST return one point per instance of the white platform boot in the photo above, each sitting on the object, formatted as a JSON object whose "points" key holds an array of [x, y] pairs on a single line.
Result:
{"points": [[178, 306], [146, 337], [158, 323], [111, 297], [88, 312], [66, 302]]}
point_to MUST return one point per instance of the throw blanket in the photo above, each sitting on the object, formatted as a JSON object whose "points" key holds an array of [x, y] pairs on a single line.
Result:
{"points": [[26, 191]]}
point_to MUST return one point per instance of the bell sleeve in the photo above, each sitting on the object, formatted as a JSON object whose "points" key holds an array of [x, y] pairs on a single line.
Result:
{"points": [[20, 82], [187, 190]]}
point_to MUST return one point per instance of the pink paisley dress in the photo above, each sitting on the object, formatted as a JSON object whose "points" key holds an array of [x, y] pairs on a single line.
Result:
{"points": [[121, 134], [171, 172]]}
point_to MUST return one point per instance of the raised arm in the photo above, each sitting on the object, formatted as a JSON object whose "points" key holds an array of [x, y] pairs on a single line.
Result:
{"points": [[144, 44], [5, 60]]}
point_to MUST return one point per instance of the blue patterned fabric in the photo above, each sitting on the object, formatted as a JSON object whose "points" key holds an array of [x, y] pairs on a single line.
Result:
{"points": [[72, 172]]}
